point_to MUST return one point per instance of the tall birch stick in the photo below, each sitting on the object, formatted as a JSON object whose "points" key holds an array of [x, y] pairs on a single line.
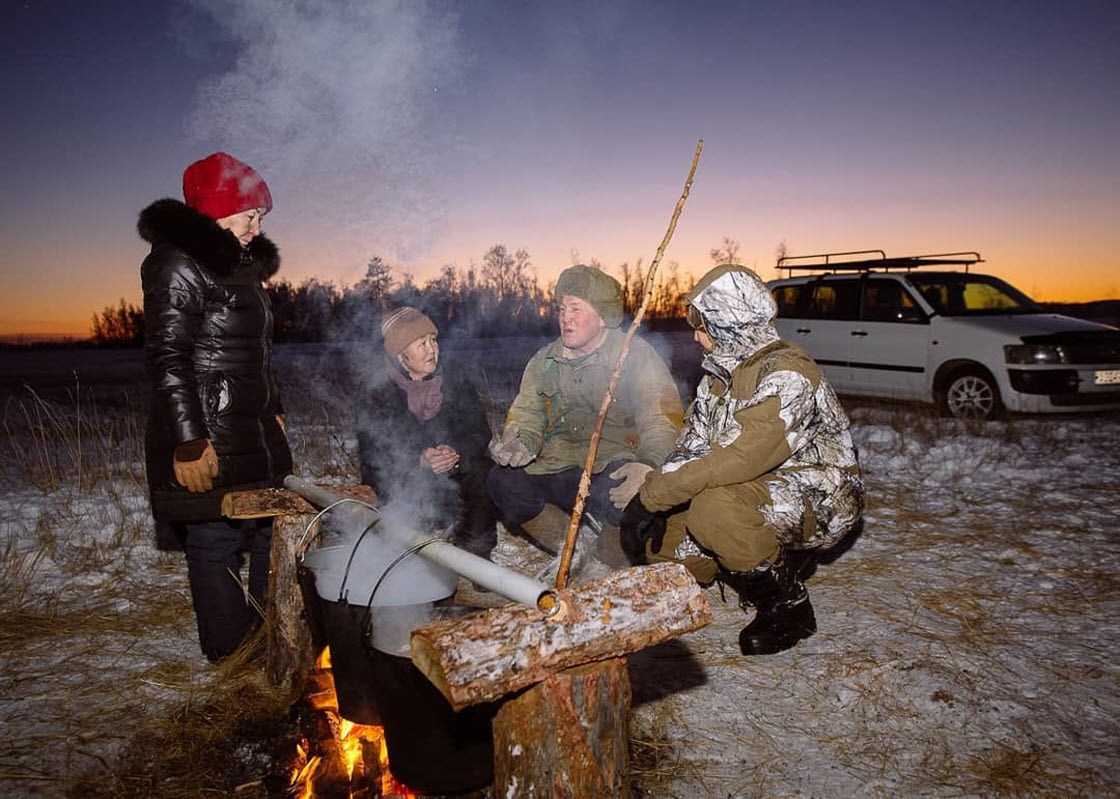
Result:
{"points": [[593, 447]]}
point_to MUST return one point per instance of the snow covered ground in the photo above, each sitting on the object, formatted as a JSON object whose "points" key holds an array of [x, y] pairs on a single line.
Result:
{"points": [[967, 640]]}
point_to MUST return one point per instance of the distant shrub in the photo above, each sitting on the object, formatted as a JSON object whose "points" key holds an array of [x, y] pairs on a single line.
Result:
{"points": [[122, 326]]}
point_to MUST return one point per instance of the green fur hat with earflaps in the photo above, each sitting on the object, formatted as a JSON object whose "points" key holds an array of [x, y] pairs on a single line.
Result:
{"points": [[596, 287]]}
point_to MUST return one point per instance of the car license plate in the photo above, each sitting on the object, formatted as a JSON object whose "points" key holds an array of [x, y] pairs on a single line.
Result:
{"points": [[1106, 377]]}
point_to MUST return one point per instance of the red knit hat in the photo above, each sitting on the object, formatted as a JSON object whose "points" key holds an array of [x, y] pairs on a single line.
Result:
{"points": [[219, 186]]}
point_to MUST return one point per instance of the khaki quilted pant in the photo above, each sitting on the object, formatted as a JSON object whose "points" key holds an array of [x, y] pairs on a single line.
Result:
{"points": [[727, 523]]}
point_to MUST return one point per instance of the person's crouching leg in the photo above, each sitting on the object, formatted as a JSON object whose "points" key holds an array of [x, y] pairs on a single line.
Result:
{"points": [[678, 547], [784, 613], [728, 522]]}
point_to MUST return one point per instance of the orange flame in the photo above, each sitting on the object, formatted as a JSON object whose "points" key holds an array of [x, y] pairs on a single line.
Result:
{"points": [[349, 736]]}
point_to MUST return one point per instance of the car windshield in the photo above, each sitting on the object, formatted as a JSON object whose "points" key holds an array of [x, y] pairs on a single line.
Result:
{"points": [[959, 294]]}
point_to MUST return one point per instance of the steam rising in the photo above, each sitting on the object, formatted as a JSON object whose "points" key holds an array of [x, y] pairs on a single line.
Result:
{"points": [[372, 567], [336, 104], [352, 561]]}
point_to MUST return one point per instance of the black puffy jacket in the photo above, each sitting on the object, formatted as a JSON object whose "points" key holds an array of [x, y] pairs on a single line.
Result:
{"points": [[208, 343]]}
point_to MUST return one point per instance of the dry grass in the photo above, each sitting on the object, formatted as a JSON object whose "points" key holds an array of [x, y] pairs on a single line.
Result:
{"points": [[219, 741], [78, 444], [84, 606], [1007, 770], [120, 717]]}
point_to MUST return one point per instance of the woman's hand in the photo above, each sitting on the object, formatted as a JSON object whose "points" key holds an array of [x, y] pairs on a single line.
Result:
{"points": [[440, 460]]}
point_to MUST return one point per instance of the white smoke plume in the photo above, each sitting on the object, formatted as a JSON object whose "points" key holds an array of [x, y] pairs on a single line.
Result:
{"points": [[337, 102]]}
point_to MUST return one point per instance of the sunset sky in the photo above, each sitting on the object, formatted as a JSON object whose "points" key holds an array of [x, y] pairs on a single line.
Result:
{"points": [[427, 132]]}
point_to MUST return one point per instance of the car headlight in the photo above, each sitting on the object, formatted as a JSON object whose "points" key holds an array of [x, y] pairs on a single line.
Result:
{"points": [[1034, 353]]}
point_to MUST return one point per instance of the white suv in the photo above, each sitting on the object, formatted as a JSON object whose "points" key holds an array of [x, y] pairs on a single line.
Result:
{"points": [[908, 329]]}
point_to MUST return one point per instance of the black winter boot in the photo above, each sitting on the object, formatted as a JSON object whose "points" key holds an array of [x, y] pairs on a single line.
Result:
{"points": [[785, 615]]}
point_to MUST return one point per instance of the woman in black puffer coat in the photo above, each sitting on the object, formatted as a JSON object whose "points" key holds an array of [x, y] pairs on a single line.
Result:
{"points": [[422, 436], [215, 420]]}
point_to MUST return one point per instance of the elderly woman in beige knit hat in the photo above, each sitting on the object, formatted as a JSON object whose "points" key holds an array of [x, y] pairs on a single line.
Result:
{"points": [[422, 434]]}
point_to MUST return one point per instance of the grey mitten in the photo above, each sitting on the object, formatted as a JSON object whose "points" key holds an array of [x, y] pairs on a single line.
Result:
{"points": [[509, 450]]}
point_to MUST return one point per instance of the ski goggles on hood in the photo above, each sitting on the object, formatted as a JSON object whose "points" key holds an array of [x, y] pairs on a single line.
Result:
{"points": [[695, 320]]}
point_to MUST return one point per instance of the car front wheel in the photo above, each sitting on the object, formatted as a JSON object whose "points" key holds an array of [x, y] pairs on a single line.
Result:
{"points": [[971, 394]]}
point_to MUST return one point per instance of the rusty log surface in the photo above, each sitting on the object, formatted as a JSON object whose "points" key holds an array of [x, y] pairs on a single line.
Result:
{"points": [[260, 502], [568, 736], [485, 656]]}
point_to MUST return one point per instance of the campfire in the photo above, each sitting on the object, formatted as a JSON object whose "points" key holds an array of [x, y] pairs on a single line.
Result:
{"points": [[510, 701], [335, 756]]}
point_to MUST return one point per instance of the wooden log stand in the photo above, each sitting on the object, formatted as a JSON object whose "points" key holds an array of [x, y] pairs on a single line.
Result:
{"points": [[562, 729], [289, 654], [566, 734]]}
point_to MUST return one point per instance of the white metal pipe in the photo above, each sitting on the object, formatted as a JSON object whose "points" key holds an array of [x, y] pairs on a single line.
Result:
{"points": [[505, 582], [317, 495]]}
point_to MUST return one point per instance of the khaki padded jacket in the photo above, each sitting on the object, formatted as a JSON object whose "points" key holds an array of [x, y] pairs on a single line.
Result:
{"points": [[763, 412], [560, 397]]}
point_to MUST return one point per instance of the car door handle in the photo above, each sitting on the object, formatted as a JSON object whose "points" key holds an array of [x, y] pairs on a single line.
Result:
{"points": [[803, 330], [859, 332]]}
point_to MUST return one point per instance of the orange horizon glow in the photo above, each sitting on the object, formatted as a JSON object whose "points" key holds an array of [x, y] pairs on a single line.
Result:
{"points": [[69, 317]]}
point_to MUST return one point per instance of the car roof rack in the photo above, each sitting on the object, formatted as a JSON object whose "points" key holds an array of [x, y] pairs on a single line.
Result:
{"points": [[880, 261]]}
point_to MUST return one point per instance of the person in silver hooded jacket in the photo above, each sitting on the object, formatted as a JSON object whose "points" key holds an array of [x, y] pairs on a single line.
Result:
{"points": [[764, 464]]}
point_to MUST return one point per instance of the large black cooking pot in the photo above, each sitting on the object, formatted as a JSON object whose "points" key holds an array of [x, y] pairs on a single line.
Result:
{"points": [[366, 620], [432, 749]]}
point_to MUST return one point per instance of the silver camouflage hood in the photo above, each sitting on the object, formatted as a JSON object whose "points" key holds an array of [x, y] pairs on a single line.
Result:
{"points": [[738, 313]]}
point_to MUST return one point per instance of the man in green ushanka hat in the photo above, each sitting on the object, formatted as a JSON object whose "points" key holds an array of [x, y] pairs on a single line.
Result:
{"points": [[541, 452]]}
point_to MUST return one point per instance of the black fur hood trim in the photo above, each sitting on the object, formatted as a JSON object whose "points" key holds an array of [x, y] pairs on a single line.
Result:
{"points": [[177, 224]]}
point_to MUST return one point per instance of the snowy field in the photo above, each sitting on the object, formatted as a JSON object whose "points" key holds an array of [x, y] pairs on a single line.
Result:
{"points": [[967, 640]]}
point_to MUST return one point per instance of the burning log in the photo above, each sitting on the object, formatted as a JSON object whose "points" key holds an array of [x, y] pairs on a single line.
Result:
{"points": [[370, 751], [331, 776], [331, 755]]}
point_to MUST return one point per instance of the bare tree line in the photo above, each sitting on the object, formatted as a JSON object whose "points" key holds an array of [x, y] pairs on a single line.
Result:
{"points": [[501, 296]]}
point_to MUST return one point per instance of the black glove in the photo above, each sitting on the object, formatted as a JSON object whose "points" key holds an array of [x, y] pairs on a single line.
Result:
{"points": [[638, 526]]}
